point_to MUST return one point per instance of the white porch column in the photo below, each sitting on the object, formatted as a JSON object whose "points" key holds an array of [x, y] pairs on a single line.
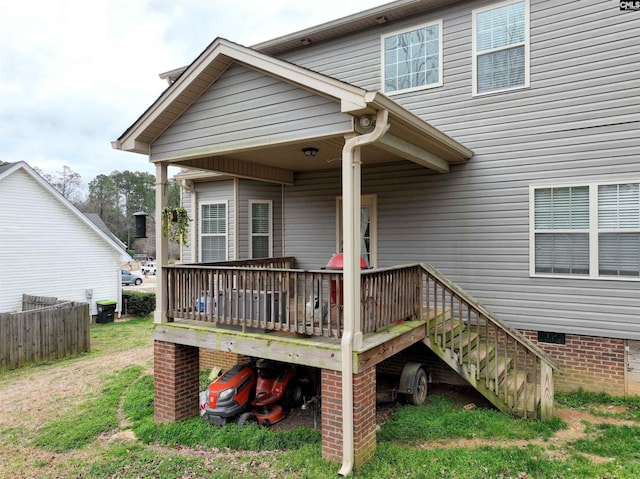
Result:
{"points": [[162, 245], [351, 192], [352, 334]]}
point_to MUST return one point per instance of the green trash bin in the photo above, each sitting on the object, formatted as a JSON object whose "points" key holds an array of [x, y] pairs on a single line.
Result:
{"points": [[106, 311]]}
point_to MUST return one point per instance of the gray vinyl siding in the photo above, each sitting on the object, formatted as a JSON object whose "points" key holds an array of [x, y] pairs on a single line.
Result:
{"points": [[577, 122], [248, 108], [310, 218], [249, 190]]}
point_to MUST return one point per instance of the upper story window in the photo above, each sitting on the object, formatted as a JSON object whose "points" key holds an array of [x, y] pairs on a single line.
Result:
{"points": [[587, 230], [501, 47], [213, 232], [412, 59], [260, 241]]}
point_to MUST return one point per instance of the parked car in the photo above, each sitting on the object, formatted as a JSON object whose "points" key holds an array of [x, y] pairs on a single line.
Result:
{"points": [[149, 268], [130, 278]]}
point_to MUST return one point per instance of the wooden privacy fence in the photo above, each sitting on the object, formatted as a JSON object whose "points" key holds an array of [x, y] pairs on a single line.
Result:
{"points": [[45, 329]]}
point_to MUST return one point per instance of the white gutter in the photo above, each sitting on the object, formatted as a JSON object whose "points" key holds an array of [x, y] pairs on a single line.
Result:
{"points": [[352, 334]]}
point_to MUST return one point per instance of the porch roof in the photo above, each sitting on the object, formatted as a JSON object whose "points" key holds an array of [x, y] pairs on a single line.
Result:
{"points": [[408, 138]]}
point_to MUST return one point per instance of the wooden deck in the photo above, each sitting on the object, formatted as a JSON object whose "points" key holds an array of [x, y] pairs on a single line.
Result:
{"points": [[266, 308], [315, 351]]}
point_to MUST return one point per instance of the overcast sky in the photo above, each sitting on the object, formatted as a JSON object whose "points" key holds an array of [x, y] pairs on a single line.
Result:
{"points": [[75, 74]]}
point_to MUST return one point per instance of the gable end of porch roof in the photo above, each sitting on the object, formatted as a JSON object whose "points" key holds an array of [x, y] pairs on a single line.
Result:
{"points": [[409, 137]]}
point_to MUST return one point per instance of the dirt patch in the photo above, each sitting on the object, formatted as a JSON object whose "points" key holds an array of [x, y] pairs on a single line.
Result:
{"points": [[35, 399]]}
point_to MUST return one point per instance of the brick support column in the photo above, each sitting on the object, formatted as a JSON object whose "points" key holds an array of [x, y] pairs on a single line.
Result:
{"points": [[364, 415], [176, 381]]}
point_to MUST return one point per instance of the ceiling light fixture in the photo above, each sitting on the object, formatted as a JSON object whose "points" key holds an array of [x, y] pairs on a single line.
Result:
{"points": [[310, 151]]}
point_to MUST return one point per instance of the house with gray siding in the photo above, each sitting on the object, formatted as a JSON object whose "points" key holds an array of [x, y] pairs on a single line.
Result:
{"points": [[490, 145]]}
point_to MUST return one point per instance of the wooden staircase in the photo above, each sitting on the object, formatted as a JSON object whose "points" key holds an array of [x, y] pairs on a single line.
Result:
{"points": [[508, 369]]}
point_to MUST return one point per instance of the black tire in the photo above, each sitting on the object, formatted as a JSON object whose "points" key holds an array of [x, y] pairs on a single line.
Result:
{"points": [[293, 395], [418, 394], [138, 282], [247, 418]]}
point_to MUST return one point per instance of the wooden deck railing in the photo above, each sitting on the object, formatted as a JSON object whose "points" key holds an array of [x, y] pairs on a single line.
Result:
{"points": [[267, 295]]}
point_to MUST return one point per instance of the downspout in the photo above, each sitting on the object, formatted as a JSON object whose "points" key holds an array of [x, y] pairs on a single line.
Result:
{"points": [[352, 334]]}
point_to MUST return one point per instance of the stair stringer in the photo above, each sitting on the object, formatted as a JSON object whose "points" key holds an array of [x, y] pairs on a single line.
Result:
{"points": [[450, 358]]}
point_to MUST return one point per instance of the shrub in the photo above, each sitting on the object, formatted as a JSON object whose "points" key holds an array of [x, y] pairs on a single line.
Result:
{"points": [[140, 303]]}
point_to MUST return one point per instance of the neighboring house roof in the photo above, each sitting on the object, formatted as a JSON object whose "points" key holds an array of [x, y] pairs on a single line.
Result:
{"points": [[428, 145], [95, 218], [10, 168]]}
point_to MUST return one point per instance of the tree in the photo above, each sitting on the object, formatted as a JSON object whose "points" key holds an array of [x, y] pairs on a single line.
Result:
{"points": [[136, 192], [103, 200], [67, 182]]}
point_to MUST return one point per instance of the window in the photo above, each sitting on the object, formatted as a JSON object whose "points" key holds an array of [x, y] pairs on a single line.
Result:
{"points": [[412, 59], [619, 230], [588, 230], [213, 232], [368, 229], [260, 241], [501, 47]]}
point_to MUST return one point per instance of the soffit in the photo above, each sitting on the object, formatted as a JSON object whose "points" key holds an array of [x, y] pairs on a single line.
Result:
{"points": [[353, 23]]}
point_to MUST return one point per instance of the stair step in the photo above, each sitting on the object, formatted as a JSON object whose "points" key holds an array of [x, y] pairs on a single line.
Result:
{"points": [[495, 367], [462, 342], [478, 354], [512, 386]]}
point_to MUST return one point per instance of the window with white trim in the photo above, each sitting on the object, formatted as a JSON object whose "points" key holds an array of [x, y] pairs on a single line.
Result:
{"points": [[260, 229], [586, 230], [619, 230], [213, 232], [412, 58], [501, 47]]}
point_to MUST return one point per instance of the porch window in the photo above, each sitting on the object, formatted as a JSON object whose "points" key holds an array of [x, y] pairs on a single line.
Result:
{"points": [[368, 229], [260, 229], [412, 58], [587, 230], [213, 232], [501, 47]]}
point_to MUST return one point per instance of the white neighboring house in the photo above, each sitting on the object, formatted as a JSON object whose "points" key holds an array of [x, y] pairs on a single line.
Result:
{"points": [[49, 248]]}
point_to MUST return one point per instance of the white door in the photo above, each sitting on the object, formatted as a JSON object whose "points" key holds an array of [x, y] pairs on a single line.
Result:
{"points": [[368, 230]]}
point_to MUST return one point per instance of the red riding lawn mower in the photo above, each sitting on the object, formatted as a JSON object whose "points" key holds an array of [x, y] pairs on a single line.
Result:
{"points": [[259, 392]]}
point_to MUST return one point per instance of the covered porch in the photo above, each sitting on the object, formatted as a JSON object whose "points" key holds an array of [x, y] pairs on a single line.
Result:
{"points": [[343, 322]]}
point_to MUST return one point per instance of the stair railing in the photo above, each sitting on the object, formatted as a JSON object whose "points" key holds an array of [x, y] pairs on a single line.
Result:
{"points": [[503, 364]]}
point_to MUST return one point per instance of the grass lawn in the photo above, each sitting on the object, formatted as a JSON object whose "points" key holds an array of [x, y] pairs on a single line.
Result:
{"points": [[107, 431]]}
